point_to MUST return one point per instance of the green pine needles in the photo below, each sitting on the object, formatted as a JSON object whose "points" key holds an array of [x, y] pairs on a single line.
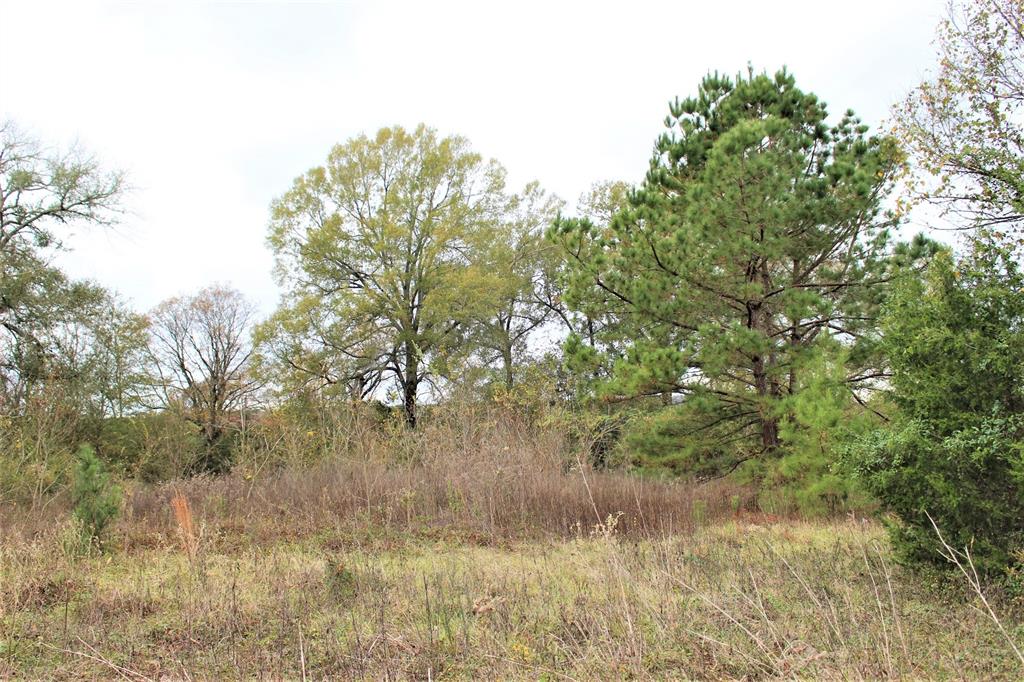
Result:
{"points": [[97, 501], [756, 246]]}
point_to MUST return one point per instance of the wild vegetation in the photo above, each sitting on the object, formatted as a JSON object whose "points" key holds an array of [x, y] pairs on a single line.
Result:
{"points": [[727, 422], [480, 555]]}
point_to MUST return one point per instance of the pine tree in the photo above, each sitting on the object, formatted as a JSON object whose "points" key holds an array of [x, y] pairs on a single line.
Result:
{"points": [[757, 233], [97, 501]]}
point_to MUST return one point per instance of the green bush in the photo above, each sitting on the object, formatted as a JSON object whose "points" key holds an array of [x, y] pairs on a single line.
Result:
{"points": [[97, 500], [121, 441], [170, 444], [955, 451]]}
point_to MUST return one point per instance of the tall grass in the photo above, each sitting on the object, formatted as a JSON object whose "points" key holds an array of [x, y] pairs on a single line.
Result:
{"points": [[490, 476]]}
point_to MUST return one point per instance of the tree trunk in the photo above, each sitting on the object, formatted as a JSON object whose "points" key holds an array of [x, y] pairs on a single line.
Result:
{"points": [[769, 433], [767, 388], [211, 433], [409, 404], [769, 422], [410, 387], [506, 359]]}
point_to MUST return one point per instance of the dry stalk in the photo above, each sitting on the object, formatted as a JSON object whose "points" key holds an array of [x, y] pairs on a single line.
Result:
{"points": [[186, 526], [964, 563]]}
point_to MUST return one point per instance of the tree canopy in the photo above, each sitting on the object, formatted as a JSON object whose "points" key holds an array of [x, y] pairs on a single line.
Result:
{"points": [[46, 317], [963, 126], [375, 250], [757, 232]]}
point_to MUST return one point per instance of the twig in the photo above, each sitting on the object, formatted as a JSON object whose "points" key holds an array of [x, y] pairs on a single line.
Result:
{"points": [[887, 649], [302, 655], [126, 673], [953, 556]]}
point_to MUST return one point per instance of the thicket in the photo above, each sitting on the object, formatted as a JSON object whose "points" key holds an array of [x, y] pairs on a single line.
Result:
{"points": [[952, 458]]}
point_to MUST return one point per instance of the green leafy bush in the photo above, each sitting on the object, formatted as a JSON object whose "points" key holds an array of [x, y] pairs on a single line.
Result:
{"points": [[97, 500], [955, 452]]}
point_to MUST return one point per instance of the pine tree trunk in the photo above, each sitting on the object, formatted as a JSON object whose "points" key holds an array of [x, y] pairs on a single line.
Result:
{"points": [[766, 390], [769, 434]]}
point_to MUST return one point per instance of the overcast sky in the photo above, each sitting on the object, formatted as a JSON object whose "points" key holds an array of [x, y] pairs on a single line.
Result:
{"points": [[213, 109]]}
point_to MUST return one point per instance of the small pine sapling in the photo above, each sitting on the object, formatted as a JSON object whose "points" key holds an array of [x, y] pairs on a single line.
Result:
{"points": [[97, 500]]}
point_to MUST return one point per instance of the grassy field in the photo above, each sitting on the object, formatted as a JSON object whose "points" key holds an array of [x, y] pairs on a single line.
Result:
{"points": [[496, 563], [742, 598]]}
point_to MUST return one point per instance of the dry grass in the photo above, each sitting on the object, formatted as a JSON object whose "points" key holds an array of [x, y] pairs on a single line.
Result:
{"points": [[491, 480], [734, 600], [186, 526], [480, 554]]}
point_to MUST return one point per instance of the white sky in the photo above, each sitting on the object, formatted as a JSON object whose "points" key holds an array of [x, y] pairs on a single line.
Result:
{"points": [[214, 109]]}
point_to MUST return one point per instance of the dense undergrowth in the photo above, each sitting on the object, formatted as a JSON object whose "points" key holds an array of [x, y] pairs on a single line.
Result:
{"points": [[485, 551]]}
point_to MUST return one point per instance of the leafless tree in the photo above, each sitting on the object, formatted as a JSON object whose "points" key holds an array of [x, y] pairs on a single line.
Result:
{"points": [[202, 352]]}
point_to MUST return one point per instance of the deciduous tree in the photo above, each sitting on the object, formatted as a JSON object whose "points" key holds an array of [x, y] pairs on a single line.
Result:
{"points": [[43, 195], [375, 251], [521, 266], [202, 352], [964, 127]]}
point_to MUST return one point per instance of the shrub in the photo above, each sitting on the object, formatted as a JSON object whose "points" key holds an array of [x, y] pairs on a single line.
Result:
{"points": [[170, 444], [36, 456], [955, 452], [97, 501], [595, 437]]}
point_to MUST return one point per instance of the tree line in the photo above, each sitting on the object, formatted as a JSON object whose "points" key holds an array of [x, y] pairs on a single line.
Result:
{"points": [[748, 302]]}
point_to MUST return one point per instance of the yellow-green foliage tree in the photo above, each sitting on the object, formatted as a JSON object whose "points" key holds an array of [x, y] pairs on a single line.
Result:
{"points": [[376, 250], [521, 265]]}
